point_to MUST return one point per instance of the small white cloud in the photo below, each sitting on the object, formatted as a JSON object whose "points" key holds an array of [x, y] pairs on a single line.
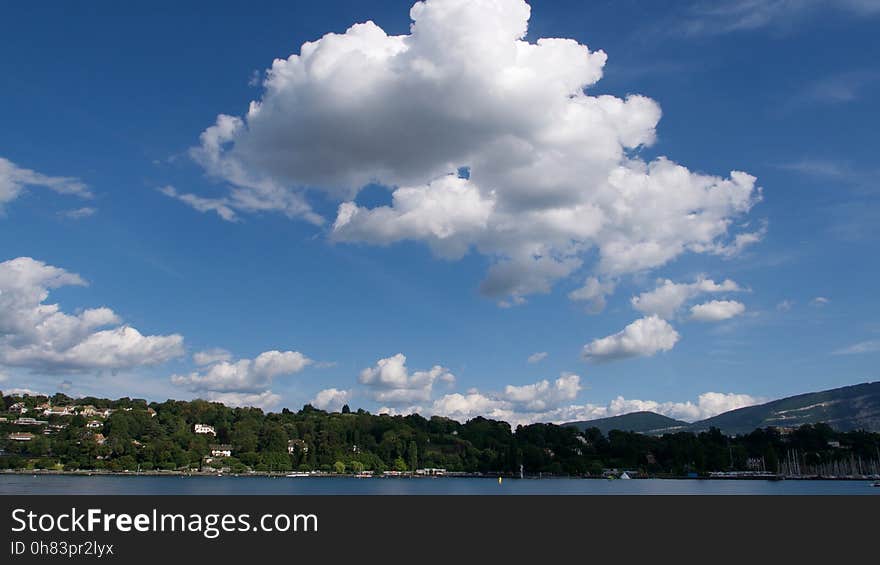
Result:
{"points": [[642, 338], [79, 213], [537, 357], [729, 16], [265, 400], [245, 375], [840, 87], [331, 399], [870, 346], [220, 206], [668, 297], [543, 395], [405, 411], [514, 301], [463, 407], [256, 78], [819, 301], [14, 180], [785, 305], [740, 242], [717, 310], [392, 383]]}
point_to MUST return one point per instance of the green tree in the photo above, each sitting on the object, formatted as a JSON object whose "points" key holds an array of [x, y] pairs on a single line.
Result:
{"points": [[412, 452], [273, 438], [400, 464]]}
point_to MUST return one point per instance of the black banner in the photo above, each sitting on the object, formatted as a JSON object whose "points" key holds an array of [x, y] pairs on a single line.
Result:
{"points": [[450, 529]]}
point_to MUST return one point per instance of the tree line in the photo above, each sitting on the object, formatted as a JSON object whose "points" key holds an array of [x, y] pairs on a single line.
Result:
{"points": [[160, 436]]}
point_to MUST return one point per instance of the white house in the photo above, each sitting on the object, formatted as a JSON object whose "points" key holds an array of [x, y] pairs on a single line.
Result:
{"points": [[89, 410], [18, 407], [94, 424], [221, 451], [29, 422], [204, 429]]}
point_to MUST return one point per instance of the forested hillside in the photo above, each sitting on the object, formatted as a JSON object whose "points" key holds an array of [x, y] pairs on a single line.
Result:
{"points": [[125, 434]]}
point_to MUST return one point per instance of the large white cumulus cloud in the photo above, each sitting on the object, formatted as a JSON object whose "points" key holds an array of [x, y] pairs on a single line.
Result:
{"points": [[38, 335], [552, 169]]}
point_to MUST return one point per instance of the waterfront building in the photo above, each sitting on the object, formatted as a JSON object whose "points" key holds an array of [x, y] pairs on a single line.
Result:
{"points": [[221, 451]]}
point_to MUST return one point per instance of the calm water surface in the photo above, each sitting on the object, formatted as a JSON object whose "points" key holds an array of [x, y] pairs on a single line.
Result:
{"points": [[63, 484]]}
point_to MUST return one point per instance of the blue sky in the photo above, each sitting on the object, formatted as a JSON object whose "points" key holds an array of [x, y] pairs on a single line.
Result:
{"points": [[105, 105]]}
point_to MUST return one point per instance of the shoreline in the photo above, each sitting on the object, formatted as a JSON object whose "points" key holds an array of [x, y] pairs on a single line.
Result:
{"points": [[488, 476]]}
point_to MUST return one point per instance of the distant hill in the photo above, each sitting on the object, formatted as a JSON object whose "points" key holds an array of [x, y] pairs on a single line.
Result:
{"points": [[649, 423], [844, 409]]}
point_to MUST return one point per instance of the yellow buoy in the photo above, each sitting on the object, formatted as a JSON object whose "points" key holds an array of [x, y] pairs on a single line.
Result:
{"points": [[499, 480]]}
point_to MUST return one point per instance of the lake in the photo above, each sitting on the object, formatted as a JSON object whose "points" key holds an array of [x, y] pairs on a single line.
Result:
{"points": [[67, 484]]}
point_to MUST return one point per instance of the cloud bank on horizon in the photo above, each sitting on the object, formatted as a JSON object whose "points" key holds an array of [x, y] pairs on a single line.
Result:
{"points": [[547, 401], [40, 337]]}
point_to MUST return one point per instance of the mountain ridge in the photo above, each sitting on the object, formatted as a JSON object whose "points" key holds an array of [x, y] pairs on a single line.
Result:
{"points": [[643, 421], [846, 408]]}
